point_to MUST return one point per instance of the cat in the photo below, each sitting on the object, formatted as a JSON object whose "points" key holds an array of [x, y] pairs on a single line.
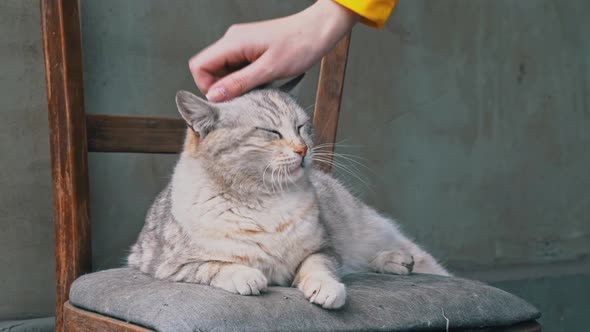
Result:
{"points": [[245, 208]]}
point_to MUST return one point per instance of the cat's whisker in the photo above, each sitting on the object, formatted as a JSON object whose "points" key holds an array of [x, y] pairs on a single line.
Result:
{"points": [[293, 182], [350, 168], [263, 176], [272, 180], [349, 164], [347, 158], [286, 176], [281, 176], [337, 144], [329, 145], [346, 154], [343, 168], [336, 155], [279, 182], [340, 154]]}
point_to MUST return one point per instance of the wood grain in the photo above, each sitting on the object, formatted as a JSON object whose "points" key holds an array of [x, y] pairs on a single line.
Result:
{"points": [[79, 320], [329, 97], [67, 139], [109, 133]]}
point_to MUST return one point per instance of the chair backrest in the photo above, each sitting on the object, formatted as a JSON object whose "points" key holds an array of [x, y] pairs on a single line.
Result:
{"points": [[73, 134]]}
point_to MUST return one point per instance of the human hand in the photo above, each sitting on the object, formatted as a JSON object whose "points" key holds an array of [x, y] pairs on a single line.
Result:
{"points": [[251, 54]]}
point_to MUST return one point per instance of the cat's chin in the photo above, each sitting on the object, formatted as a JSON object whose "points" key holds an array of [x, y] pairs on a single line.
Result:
{"points": [[296, 172]]}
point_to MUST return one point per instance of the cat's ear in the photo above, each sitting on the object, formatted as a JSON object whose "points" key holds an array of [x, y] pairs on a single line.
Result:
{"points": [[293, 86], [198, 113]]}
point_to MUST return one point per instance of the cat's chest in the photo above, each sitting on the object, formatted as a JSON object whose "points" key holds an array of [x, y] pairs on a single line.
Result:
{"points": [[281, 240], [282, 225], [273, 237]]}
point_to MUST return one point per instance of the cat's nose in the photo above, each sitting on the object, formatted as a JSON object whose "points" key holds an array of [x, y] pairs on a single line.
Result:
{"points": [[300, 150]]}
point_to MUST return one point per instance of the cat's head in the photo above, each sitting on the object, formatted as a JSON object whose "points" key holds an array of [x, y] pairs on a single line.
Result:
{"points": [[259, 141]]}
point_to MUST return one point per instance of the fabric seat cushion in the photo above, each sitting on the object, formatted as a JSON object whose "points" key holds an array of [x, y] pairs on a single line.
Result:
{"points": [[375, 302]]}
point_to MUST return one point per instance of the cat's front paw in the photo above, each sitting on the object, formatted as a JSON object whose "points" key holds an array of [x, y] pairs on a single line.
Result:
{"points": [[324, 290], [242, 280], [394, 262]]}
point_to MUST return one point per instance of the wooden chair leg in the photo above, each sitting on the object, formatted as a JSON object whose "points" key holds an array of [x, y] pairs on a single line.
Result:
{"points": [[62, 48]]}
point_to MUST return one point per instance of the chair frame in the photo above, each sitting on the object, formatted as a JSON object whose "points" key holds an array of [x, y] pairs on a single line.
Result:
{"points": [[73, 134]]}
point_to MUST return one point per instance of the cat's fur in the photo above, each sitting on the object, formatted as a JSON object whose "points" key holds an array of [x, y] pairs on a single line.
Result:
{"points": [[244, 210]]}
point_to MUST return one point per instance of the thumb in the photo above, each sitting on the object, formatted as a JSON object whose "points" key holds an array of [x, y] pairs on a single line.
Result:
{"points": [[241, 81]]}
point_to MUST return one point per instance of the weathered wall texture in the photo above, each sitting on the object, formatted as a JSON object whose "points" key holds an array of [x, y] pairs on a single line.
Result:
{"points": [[26, 229], [471, 115], [474, 116]]}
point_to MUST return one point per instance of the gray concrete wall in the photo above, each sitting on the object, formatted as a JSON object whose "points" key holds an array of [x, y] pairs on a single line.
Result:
{"points": [[26, 229], [471, 116]]}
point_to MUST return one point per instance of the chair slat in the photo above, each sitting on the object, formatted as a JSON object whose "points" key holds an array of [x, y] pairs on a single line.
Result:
{"points": [[329, 97], [110, 133], [62, 48]]}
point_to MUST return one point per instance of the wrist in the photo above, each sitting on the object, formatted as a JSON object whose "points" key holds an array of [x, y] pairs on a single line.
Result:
{"points": [[337, 21], [338, 14]]}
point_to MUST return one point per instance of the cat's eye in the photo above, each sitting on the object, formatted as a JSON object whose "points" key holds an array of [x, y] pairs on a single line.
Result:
{"points": [[276, 132], [299, 128]]}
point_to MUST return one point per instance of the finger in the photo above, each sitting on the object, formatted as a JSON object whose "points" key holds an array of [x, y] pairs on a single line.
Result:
{"points": [[218, 60], [241, 81], [208, 58]]}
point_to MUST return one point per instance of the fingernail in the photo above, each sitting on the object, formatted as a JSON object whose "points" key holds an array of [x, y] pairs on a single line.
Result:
{"points": [[217, 94]]}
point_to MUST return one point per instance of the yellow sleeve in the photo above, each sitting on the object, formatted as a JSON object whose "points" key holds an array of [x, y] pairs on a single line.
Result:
{"points": [[373, 12]]}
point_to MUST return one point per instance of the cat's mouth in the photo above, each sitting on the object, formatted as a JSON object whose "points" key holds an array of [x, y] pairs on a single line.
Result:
{"points": [[295, 167]]}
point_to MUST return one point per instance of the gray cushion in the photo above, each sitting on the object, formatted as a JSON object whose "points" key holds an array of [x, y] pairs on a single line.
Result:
{"points": [[376, 302]]}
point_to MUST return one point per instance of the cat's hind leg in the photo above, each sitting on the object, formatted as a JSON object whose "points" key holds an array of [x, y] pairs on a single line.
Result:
{"points": [[425, 263], [393, 261], [405, 260], [395, 253]]}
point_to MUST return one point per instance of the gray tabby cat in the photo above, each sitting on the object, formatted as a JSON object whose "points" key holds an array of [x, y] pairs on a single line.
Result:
{"points": [[245, 209]]}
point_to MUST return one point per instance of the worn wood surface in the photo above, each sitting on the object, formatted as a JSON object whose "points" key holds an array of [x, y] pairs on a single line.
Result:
{"points": [[328, 99], [67, 130], [530, 326], [110, 133], [79, 320]]}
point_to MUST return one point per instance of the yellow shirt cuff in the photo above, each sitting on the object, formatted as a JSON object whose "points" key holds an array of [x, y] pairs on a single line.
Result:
{"points": [[373, 12]]}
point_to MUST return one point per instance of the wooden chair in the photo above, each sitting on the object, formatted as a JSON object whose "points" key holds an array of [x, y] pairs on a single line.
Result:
{"points": [[73, 134]]}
